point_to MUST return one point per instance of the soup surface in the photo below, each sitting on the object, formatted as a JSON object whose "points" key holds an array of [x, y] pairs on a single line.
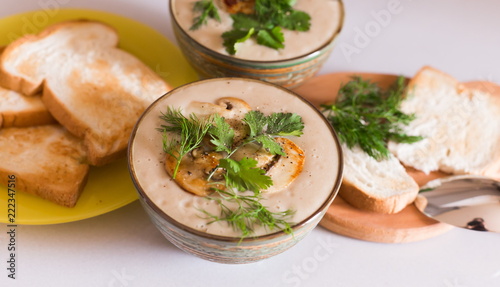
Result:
{"points": [[305, 195], [326, 19]]}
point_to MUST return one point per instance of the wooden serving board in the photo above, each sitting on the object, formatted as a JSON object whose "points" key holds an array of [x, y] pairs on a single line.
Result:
{"points": [[406, 226]]}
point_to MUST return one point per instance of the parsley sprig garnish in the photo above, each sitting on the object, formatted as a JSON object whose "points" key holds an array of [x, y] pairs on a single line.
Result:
{"points": [[264, 128], [367, 116], [244, 175], [240, 177], [264, 25]]}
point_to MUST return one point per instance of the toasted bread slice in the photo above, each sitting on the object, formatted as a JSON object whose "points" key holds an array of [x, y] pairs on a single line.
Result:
{"points": [[17, 110], [381, 186], [46, 160], [94, 89], [460, 126]]}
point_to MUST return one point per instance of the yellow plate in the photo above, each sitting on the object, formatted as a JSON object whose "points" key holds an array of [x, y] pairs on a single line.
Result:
{"points": [[108, 187]]}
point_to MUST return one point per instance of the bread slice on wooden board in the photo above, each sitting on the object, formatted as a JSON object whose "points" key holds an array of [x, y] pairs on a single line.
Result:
{"points": [[17, 110], [94, 89], [460, 126], [381, 186], [46, 160]]}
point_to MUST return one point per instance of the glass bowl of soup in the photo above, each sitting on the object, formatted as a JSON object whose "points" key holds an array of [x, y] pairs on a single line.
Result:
{"points": [[300, 56], [197, 214]]}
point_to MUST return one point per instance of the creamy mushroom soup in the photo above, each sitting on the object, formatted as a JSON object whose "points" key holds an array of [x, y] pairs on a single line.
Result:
{"points": [[326, 20], [305, 195]]}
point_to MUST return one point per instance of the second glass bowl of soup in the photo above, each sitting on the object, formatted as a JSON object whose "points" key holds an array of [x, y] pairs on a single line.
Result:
{"points": [[303, 54]]}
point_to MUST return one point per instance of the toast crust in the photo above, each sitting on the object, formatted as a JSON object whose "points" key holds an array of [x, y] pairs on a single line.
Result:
{"points": [[17, 110], [47, 161], [381, 186], [360, 199], [25, 118]]}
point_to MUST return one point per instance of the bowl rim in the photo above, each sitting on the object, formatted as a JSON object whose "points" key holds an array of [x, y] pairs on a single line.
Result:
{"points": [[224, 57], [230, 239]]}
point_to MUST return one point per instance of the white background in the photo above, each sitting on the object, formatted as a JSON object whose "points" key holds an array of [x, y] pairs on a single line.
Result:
{"points": [[122, 248]]}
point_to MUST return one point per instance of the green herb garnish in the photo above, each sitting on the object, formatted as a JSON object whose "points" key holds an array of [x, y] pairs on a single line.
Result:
{"points": [[264, 128], [244, 175], [249, 212], [240, 177], [265, 24], [191, 130], [207, 9], [222, 134], [367, 116]]}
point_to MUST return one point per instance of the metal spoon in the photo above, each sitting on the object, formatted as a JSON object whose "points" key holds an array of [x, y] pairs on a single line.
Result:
{"points": [[466, 201]]}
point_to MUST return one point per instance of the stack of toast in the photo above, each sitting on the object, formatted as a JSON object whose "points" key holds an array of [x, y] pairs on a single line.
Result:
{"points": [[69, 98]]}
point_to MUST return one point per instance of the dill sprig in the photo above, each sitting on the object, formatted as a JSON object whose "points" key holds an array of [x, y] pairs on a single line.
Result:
{"points": [[368, 116], [191, 130], [248, 213]]}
